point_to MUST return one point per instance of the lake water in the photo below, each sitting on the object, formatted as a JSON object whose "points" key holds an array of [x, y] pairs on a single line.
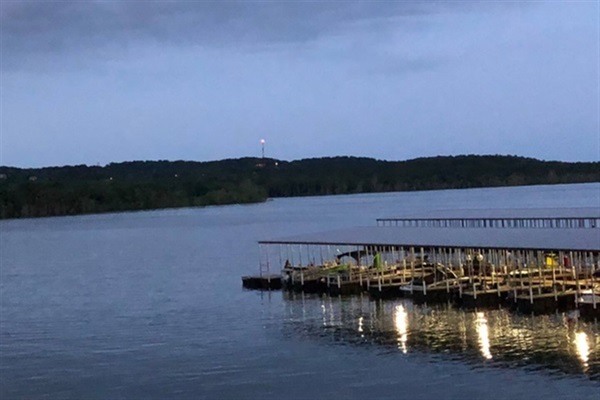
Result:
{"points": [[150, 305]]}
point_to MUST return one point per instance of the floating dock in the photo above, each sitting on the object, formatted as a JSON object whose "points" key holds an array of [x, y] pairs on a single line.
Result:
{"points": [[269, 282], [482, 299], [533, 263], [545, 303]]}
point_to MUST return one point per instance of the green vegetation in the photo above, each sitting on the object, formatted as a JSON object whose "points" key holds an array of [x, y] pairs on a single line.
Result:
{"points": [[147, 185]]}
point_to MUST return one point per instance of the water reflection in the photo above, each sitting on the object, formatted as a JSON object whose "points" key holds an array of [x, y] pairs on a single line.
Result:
{"points": [[483, 335], [497, 337], [583, 348], [401, 322]]}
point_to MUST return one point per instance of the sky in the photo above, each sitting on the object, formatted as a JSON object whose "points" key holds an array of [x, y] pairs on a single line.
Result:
{"points": [[94, 82]]}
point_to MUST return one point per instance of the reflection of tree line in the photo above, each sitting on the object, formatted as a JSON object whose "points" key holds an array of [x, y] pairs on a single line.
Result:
{"points": [[498, 337], [161, 184]]}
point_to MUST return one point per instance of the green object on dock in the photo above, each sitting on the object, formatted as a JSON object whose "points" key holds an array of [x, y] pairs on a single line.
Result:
{"points": [[377, 261]]}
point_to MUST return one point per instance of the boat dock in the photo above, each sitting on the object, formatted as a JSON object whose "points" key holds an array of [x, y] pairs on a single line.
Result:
{"points": [[583, 217], [543, 266]]}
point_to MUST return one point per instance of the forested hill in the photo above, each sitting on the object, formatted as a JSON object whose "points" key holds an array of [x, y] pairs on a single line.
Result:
{"points": [[143, 185]]}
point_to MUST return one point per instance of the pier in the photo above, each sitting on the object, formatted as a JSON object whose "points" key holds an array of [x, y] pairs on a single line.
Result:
{"points": [[531, 269]]}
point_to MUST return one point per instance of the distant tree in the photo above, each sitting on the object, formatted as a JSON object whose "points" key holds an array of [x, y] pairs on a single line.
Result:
{"points": [[141, 185]]}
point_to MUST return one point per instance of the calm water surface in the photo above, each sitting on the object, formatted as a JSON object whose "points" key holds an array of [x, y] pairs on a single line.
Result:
{"points": [[150, 305]]}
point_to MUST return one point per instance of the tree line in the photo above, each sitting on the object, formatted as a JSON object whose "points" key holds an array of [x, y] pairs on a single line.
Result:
{"points": [[144, 185]]}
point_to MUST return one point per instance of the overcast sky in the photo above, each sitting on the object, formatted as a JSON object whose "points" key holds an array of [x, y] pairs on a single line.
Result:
{"points": [[109, 81]]}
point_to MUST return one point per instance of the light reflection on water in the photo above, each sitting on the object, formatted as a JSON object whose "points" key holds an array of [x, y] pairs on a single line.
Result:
{"points": [[401, 321], [481, 328], [583, 348], [498, 338]]}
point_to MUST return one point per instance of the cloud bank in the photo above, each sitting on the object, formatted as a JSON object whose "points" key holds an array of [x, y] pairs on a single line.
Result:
{"points": [[102, 81]]}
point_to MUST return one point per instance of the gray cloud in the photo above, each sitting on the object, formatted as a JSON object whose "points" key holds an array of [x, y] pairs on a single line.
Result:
{"points": [[34, 31], [109, 81]]}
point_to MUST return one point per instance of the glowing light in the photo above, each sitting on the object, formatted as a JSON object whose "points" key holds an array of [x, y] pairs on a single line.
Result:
{"points": [[262, 143], [582, 347], [401, 323], [483, 335]]}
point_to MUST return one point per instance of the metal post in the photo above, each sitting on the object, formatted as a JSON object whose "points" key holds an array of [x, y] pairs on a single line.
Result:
{"points": [[268, 270], [403, 264], [554, 284], [540, 266], [578, 286], [529, 274], [412, 266]]}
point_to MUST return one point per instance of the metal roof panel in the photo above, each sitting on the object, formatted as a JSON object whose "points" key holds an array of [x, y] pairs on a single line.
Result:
{"points": [[492, 238]]}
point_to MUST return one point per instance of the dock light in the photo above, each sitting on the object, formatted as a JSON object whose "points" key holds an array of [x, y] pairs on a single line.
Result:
{"points": [[479, 257], [469, 259]]}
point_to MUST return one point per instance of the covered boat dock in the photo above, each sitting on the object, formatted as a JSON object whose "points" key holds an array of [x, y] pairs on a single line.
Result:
{"points": [[534, 270], [582, 217]]}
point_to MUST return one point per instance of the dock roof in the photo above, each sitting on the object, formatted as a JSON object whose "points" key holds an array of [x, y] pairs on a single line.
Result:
{"points": [[502, 213], [517, 239]]}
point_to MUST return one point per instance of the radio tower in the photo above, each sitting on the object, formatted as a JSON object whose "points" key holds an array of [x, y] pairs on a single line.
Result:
{"points": [[262, 143]]}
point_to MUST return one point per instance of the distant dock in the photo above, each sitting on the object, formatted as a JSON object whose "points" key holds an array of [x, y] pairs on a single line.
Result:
{"points": [[583, 217]]}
